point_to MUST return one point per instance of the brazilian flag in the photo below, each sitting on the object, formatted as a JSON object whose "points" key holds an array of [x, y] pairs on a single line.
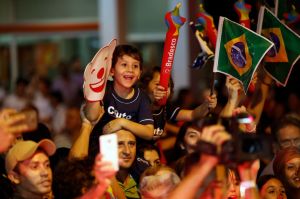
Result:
{"points": [[280, 60], [239, 51]]}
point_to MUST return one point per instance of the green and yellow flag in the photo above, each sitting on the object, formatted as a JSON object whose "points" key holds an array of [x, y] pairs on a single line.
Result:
{"points": [[239, 51], [279, 61]]}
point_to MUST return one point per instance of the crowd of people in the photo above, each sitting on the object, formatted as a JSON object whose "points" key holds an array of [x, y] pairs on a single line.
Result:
{"points": [[206, 149]]}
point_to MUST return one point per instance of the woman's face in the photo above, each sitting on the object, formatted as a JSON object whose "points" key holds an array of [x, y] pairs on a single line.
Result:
{"points": [[152, 157], [273, 189], [292, 172], [233, 190], [191, 137]]}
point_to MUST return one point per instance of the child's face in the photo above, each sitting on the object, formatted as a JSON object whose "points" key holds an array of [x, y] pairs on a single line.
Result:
{"points": [[233, 189], [154, 82], [126, 72]]}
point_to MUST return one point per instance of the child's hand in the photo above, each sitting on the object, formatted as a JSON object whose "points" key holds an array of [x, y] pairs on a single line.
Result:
{"points": [[159, 92], [113, 126]]}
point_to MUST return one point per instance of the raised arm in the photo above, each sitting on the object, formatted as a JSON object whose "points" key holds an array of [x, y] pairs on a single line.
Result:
{"points": [[199, 112], [233, 88], [189, 186], [80, 147], [11, 124], [139, 130], [93, 110], [260, 95]]}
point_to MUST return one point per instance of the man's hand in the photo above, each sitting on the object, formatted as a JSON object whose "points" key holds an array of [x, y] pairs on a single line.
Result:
{"points": [[10, 126], [215, 134], [104, 173]]}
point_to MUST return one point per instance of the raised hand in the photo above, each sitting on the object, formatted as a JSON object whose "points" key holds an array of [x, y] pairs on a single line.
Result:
{"points": [[10, 126], [160, 92]]}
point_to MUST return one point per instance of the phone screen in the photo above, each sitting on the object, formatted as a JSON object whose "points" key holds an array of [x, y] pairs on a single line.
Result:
{"points": [[30, 120], [109, 149]]}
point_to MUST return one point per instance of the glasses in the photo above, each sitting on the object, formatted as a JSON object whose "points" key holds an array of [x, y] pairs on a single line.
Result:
{"points": [[290, 142]]}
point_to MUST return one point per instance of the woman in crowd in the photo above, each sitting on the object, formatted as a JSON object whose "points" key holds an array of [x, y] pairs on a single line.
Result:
{"points": [[287, 168], [270, 187]]}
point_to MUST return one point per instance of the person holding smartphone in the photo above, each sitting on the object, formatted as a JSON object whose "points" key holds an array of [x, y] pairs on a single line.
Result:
{"points": [[12, 124]]}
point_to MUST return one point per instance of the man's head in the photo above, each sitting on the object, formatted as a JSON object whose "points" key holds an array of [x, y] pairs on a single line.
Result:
{"points": [[287, 131], [126, 148], [28, 167]]}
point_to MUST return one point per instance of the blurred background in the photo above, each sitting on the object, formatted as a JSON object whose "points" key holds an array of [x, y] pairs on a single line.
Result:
{"points": [[42, 38]]}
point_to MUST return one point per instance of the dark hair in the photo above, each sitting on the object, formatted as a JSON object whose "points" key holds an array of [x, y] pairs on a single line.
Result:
{"points": [[289, 119], [22, 81], [148, 76], [40, 133], [57, 96], [262, 180], [146, 147], [45, 81], [71, 177], [197, 124], [129, 50], [178, 150]]}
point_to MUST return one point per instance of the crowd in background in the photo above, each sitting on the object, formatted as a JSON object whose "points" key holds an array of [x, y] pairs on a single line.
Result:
{"points": [[180, 152]]}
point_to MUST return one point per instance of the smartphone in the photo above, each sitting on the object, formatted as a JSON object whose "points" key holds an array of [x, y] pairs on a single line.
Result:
{"points": [[30, 120], [109, 149]]}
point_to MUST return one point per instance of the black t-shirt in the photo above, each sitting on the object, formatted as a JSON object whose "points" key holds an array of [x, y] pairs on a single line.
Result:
{"points": [[136, 109], [166, 113]]}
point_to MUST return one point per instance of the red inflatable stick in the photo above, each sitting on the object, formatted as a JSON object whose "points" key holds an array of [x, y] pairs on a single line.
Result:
{"points": [[174, 22], [243, 10], [209, 27]]}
